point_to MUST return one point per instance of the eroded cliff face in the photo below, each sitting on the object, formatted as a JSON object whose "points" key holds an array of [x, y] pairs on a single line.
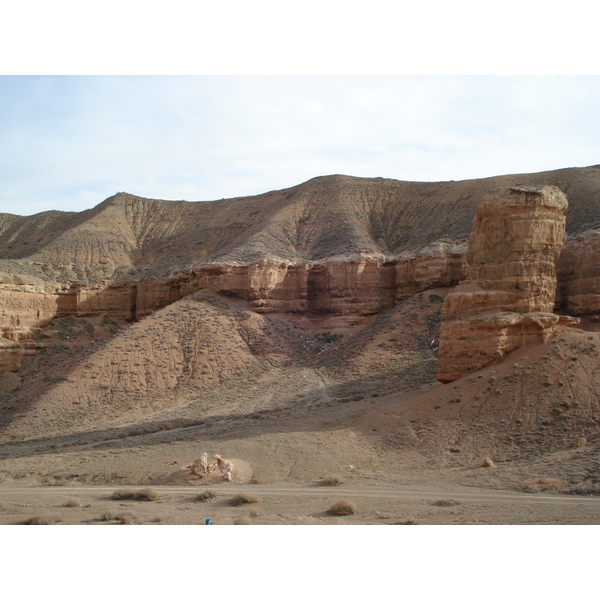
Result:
{"points": [[578, 274], [508, 296], [349, 286], [334, 245]]}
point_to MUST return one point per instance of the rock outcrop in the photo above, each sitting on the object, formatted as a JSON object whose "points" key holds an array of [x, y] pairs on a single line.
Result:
{"points": [[578, 273], [354, 285], [508, 296]]}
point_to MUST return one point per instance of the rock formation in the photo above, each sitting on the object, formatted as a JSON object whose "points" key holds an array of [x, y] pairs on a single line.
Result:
{"points": [[221, 468], [336, 245], [508, 296], [578, 273]]}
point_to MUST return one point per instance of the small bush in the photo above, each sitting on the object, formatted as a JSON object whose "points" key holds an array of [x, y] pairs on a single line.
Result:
{"points": [[148, 495], [342, 507], [331, 482], [72, 503], [446, 502], [41, 520], [107, 516], [205, 497], [126, 518], [542, 485], [242, 498]]}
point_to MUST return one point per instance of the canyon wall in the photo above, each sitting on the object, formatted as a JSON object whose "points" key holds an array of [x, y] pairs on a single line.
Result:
{"points": [[355, 285], [508, 296], [508, 266], [578, 274]]}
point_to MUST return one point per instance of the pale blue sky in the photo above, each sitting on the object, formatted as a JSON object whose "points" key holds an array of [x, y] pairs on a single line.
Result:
{"points": [[68, 142]]}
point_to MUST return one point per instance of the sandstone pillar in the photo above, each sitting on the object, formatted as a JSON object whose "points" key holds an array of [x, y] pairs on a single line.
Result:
{"points": [[508, 296]]}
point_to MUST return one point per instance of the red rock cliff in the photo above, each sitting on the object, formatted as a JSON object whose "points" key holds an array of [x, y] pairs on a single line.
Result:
{"points": [[508, 296]]}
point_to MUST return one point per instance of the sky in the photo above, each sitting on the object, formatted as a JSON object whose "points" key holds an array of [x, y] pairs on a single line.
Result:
{"points": [[206, 100], [69, 142]]}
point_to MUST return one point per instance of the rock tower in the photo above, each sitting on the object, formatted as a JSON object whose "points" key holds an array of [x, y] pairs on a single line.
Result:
{"points": [[508, 297]]}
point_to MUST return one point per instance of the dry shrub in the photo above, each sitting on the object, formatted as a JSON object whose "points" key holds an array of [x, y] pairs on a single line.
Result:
{"points": [[542, 485], [204, 497], [243, 521], [126, 518], [586, 488], [243, 499], [342, 507], [54, 480], [42, 520], [446, 502], [147, 494], [331, 482], [107, 516], [72, 503]]}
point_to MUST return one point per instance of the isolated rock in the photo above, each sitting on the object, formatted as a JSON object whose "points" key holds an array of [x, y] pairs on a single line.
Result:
{"points": [[507, 299]]}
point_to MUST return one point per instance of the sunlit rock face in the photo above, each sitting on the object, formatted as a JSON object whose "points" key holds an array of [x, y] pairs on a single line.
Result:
{"points": [[508, 296], [578, 273]]}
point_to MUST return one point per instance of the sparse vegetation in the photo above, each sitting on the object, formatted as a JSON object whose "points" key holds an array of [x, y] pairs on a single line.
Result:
{"points": [[331, 482], [543, 485], [126, 518], [586, 488], [42, 520], [147, 494], [342, 508], [72, 503], [204, 497], [328, 338], [243, 498], [446, 502], [243, 521]]}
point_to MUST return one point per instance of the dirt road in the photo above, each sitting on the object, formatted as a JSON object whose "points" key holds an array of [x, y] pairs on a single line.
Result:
{"points": [[300, 504]]}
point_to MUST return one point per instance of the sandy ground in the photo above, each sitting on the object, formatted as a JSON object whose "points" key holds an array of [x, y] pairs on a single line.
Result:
{"points": [[376, 503]]}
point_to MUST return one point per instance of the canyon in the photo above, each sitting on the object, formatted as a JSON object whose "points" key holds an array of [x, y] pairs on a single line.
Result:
{"points": [[372, 308]]}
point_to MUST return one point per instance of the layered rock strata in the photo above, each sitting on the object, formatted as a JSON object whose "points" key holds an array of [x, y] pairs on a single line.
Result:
{"points": [[508, 296], [578, 273], [355, 285]]}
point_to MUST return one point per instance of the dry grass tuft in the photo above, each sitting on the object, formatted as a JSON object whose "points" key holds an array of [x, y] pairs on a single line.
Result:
{"points": [[243, 521], [204, 497], [126, 518], [446, 502], [331, 482], [147, 494], [42, 520], [342, 507], [72, 503], [243, 499], [586, 488], [542, 485]]}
